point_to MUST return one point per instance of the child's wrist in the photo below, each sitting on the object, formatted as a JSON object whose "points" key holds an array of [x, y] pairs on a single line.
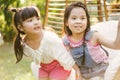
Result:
{"points": [[78, 77]]}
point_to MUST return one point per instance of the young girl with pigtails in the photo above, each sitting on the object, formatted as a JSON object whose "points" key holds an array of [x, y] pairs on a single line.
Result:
{"points": [[44, 47]]}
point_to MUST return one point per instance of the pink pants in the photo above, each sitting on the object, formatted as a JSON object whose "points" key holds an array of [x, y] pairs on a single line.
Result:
{"points": [[53, 70]]}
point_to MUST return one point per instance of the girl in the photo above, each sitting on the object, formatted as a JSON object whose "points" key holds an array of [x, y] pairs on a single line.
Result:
{"points": [[84, 44], [44, 47]]}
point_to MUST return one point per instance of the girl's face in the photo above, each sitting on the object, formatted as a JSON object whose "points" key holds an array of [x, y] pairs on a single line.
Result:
{"points": [[32, 25], [77, 21]]}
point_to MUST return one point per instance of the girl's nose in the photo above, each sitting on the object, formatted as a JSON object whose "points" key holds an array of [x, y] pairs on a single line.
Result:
{"points": [[36, 22], [78, 21]]}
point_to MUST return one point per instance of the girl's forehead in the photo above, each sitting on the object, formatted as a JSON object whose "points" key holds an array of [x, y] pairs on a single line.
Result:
{"points": [[77, 11]]}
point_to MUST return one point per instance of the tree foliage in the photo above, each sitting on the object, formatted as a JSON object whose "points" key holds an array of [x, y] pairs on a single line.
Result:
{"points": [[6, 16]]}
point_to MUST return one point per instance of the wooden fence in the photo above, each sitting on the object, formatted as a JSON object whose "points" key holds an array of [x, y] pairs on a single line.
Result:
{"points": [[99, 10]]}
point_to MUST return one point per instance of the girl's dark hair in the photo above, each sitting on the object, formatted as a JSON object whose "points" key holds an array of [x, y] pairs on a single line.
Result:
{"points": [[21, 14], [67, 14]]}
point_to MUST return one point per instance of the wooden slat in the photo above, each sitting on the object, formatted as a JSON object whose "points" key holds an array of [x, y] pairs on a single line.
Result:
{"points": [[53, 22], [57, 27], [117, 4], [56, 14], [95, 11], [55, 17], [97, 16], [57, 4], [57, 0], [117, 15], [93, 5], [113, 10], [73, 0], [58, 9]]}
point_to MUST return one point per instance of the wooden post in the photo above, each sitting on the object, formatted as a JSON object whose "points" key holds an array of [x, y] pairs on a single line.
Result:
{"points": [[46, 13], [85, 2], [100, 18], [105, 10], [66, 1]]}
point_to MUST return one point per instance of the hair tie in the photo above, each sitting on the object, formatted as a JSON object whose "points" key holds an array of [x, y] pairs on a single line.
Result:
{"points": [[15, 9]]}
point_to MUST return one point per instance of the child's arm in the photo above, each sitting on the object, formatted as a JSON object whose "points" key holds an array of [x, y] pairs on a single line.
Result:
{"points": [[78, 73], [98, 38], [117, 41]]}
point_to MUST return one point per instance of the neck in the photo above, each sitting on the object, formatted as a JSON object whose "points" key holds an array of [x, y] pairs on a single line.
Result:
{"points": [[77, 37], [34, 41], [34, 37]]}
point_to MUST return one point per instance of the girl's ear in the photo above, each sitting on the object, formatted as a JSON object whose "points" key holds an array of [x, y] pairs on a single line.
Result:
{"points": [[20, 28]]}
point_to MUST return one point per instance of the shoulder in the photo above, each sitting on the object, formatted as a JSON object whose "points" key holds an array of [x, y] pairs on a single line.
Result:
{"points": [[90, 34], [50, 36], [93, 37], [96, 35], [65, 40]]}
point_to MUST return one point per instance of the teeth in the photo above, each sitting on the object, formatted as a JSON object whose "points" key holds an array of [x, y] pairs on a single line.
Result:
{"points": [[36, 28], [76, 26]]}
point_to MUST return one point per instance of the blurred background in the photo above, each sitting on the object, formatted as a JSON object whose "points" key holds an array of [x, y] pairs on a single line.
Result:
{"points": [[9, 70]]}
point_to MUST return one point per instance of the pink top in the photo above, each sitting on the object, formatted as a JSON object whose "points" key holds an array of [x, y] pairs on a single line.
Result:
{"points": [[97, 54]]}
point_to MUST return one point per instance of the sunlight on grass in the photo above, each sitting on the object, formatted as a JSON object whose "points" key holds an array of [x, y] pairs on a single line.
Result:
{"points": [[10, 70], [25, 76]]}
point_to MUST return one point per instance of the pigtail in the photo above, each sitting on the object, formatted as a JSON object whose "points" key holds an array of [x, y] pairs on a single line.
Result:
{"points": [[15, 10], [18, 48]]}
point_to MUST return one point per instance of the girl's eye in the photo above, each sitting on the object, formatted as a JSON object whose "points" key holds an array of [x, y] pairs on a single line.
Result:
{"points": [[38, 18], [29, 20], [83, 18], [73, 18]]}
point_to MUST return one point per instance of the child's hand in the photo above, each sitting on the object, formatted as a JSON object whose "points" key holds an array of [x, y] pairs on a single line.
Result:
{"points": [[77, 72], [78, 75]]}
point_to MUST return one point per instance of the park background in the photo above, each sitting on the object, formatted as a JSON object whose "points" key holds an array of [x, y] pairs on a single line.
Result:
{"points": [[9, 70]]}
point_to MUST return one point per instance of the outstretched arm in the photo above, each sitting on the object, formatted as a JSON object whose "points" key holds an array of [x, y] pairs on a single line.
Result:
{"points": [[101, 37], [117, 41]]}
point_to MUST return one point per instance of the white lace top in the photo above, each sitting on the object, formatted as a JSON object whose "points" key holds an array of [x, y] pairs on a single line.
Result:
{"points": [[51, 48]]}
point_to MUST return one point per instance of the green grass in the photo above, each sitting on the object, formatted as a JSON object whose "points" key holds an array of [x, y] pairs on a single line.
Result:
{"points": [[9, 70]]}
